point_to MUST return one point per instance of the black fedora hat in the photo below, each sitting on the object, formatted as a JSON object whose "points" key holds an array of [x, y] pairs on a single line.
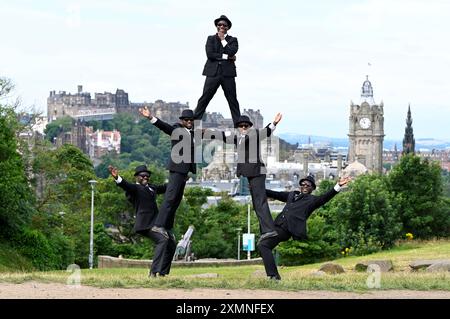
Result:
{"points": [[310, 179], [244, 119], [187, 114], [223, 18], [141, 169]]}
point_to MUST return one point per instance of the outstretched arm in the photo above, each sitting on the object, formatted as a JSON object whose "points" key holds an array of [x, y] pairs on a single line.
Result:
{"points": [[163, 126], [323, 199], [281, 196], [122, 183], [267, 131], [113, 171], [145, 112], [343, 181], [277, 119]]}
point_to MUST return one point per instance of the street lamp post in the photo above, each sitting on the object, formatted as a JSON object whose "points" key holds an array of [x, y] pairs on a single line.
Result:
{"points": [[239, 243], [62, 220], [249, 253], [91, 241]]}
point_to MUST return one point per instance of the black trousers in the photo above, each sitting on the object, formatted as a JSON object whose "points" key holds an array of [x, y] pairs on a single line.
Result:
{"points": [[259, 199], [212, 83], [163, 253], [172, 199], [266, 246]]}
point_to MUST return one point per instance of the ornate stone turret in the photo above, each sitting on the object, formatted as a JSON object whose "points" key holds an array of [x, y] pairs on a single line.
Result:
{"points": [[408, 140], [366, 130]]}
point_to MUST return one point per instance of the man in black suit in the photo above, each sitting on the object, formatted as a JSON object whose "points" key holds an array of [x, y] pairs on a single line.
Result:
{"points": [[143, 197], [249, 164], [220, 69], [181, 162], [292, 220]]}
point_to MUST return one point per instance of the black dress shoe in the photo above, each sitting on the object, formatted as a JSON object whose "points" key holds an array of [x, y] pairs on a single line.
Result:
{"points": [[160, 230], [277, 277], [267, 235]]}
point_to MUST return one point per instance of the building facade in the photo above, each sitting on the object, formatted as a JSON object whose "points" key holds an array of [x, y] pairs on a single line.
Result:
{"points": [[366, 131]]}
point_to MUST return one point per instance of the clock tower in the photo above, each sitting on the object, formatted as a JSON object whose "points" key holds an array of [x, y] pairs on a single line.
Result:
{"points": [[366, 131]]}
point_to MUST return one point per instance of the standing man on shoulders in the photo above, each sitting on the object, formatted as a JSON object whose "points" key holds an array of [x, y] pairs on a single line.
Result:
{"points": [[143, 197], [220, 69], [292, 220], [247, 141], [181, 162]]}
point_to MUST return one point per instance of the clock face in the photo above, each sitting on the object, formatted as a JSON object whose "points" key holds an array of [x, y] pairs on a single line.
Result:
{"points": [[364, 122]]}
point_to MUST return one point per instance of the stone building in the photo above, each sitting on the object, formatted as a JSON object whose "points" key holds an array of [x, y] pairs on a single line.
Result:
{"points": [[80, 105], [366, 131], [255, 117], [104, 142], [77, 136]]}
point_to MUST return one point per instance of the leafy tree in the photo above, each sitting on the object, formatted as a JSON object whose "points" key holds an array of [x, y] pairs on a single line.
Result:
{"points": [[365, 216], [16, 197], [446, 183], [141, 141], [417, 183], [64, 175], [58, 126]]}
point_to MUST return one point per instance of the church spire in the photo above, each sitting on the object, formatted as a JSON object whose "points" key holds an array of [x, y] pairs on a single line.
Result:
{"points": [[408, 140], [367, 92]]}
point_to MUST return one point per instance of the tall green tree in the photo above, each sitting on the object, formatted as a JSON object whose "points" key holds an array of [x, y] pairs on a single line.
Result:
{"points": [[417, 183], [62, 177], [58, 126], [140, 141], [365, 216], [16, 197]]}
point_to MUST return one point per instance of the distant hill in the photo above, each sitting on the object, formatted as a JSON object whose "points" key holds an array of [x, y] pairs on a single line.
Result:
{"points": [[421, 144]]}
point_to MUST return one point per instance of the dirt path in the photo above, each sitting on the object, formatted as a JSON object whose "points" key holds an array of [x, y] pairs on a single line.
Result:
{"points": [[37, 290]]}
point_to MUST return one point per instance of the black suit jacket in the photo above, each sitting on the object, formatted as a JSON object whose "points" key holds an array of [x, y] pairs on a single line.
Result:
{"points": [[143, 199], [182, 140], [297, 210], [248, 148], [214, 51]]}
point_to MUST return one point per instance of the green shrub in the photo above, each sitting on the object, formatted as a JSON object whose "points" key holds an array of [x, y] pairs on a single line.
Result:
{"points": [[418, 184], [366, 216], [34, 245], [45, 253], [319, 246], [63, 248]]}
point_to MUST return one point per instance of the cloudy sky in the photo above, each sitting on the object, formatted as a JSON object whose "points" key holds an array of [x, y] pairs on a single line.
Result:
{"points": [[306, 59]]}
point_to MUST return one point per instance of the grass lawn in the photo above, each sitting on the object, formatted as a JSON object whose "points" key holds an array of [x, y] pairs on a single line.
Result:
{"points": [[252, 277]]}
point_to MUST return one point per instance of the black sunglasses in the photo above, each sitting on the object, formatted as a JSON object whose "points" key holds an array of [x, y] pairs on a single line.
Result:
{"points": [[222, 25], [305, 185], [144, 175], [243, 125], [188, 120]]}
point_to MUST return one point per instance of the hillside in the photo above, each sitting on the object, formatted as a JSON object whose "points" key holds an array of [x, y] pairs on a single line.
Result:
{"points": [[11, 261]]}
